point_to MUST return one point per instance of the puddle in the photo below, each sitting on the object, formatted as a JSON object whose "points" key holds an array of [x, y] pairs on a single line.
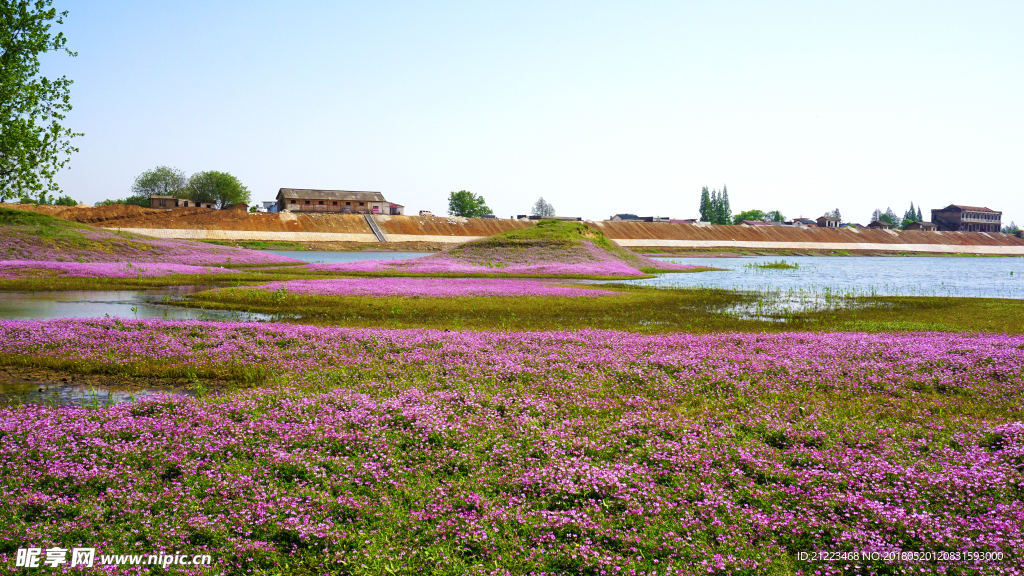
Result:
{"points": [[51, 389]]}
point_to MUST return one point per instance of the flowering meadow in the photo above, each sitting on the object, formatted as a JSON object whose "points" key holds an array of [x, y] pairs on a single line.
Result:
{"points": [[20, 268], [431, 287], [368, 451]]}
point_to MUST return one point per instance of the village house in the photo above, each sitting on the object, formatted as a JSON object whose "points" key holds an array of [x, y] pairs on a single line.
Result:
{"points": [[339, 201], [959, 218], [828, 222], [879, 225], [635, 218], [167, 202], [923, 226]]}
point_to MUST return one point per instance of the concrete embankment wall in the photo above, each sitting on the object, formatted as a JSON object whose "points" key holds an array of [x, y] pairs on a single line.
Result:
{"points": [[275, 236], [706, 236]]}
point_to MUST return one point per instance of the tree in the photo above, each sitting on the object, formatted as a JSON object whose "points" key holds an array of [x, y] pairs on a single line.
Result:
{"points": [[221, 188], [466, 204], [1011, 228], [706, 210], [162, 180], [750, 215], [835, 214], [889, 217], [876, 215], [543, 209], [919, 217], [33, 144], [774, 216], [724, 211]]}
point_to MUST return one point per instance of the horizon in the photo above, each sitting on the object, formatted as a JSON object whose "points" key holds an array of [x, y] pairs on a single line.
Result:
{"points": [[599, 109]]}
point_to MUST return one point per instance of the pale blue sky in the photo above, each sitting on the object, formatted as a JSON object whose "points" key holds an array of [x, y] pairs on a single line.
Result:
{"points": [[599, 107]]}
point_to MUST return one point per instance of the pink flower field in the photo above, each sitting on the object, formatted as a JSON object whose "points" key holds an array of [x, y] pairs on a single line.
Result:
{"points": [[370, 451], [431, 287], [22, 268]]}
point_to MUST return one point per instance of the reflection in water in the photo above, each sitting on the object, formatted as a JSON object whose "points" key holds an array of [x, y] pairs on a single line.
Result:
{"points": [[138, 304], [19, 391]]}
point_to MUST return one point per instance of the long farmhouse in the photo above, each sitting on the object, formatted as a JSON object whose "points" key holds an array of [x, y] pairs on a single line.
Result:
{"points": [[341, 201]]}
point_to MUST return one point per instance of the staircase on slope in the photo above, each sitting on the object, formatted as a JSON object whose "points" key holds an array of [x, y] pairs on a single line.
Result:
{"points": [[376, 229]]}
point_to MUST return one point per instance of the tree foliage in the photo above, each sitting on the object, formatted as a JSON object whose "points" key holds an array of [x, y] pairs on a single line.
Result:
{"points": [[543, 209], [220, 188], [774, 216], [162, 180], [706, 211], [466, 204], [714, 206], [33, 143], [835, 214], [756, 215]]}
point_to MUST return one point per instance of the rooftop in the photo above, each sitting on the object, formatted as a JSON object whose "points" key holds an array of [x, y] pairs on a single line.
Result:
{"points": [[311, 194]]}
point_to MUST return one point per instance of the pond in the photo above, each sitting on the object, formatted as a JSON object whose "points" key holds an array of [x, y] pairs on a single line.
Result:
{"points": [[976, 277]]}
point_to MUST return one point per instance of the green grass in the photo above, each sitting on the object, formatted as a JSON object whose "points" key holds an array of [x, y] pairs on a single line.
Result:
{"points": [[634, 308], [777, 265], [260, 244]]}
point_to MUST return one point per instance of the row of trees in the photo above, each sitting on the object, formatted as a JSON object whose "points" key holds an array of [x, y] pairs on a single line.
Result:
{"points": [[714, 206], [911, 215], [468, 205], [759, 215], [220, 188]]}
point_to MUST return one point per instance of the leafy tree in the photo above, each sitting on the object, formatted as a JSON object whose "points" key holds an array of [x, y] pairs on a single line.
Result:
{"points": [[466, 204], [220, 188], [774, 216], [876, 215], [543, 209], [1011, 228], [750, 215], [162, 180], [33, 144], [706, 208], [889, 217]]}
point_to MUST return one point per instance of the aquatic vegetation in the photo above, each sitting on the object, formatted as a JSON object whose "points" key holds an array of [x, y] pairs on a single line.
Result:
{"points": [[776, 265], [430, 287], [374, 451], [39, 237], [551, 248], [22, 268]]}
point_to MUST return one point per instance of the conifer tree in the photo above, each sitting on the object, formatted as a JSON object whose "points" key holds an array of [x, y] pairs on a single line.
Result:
{"points": [[714, 207], [705, 205], [920, 218], [724, 211]]}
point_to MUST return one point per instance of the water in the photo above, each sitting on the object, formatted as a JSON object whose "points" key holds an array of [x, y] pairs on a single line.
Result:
{"points": [[334, 257], [80, 391], [140, 304], [976, 277]]}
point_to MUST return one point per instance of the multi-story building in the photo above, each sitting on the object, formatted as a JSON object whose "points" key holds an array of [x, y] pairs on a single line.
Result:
{"points": [[959, 218]]}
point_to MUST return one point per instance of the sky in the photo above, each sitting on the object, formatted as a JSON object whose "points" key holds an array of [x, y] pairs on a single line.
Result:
{"points": [[598, 107]]}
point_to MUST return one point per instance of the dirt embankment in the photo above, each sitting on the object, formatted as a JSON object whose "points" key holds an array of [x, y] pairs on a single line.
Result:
{"points": [[122, 216], [786, 234]]}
